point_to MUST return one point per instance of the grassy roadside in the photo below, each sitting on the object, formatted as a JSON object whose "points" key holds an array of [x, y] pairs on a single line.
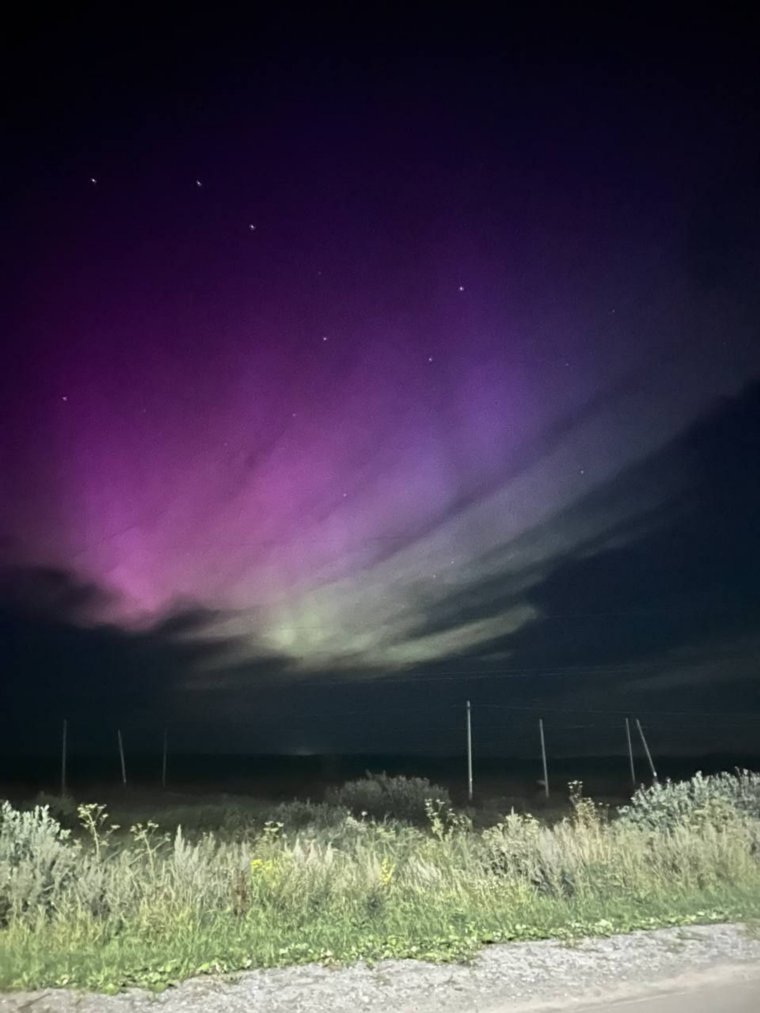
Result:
{"points": [[151, 908]]}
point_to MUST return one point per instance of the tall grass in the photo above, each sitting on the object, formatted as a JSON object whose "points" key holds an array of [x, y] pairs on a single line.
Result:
{"points": [[106, 908]]}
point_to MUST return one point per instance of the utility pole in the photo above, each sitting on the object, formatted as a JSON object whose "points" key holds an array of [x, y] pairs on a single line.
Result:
{"points": [[63, 756], [121, 757], [469, 752], [543, 756], [163, 762], [630, 752], [646, 749]]}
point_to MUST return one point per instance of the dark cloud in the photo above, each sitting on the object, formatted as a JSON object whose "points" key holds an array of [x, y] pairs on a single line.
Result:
{"points": [[58, 661], [50, 593]]}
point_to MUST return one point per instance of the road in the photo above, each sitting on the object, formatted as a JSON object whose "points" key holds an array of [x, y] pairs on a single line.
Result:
{"points": [[737, 998], [728, 996]]}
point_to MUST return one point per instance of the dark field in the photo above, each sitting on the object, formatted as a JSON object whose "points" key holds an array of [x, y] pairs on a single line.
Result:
{"points": [[199, 779]]}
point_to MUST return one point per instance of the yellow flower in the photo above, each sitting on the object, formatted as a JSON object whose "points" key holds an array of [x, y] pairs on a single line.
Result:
{"points": [[263, 869], [387, 871]]}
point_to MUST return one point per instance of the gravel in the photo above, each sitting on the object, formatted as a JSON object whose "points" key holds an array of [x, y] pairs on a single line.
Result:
{"points": [[515, 976]]}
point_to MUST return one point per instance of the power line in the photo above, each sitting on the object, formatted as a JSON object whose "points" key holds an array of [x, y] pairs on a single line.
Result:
{"points": [[445, 709], [622, 713], [464, 674]]}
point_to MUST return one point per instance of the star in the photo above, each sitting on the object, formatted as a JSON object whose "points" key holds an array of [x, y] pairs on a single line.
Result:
{"points": [[93, 180], [582, 471], [430, 358], [198, 183], [324, 337], [461, 288], [252, 228], [65, 397]]}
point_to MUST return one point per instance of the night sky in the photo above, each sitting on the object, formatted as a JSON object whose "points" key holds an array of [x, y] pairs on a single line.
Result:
{"points": [[360, 364]]}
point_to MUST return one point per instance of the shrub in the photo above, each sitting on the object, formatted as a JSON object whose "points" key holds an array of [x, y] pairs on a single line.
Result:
{"points": [[226, 818], [713, 800], [36, 857], [299, 815], [511, 846], [62, 808], [378, 796]]}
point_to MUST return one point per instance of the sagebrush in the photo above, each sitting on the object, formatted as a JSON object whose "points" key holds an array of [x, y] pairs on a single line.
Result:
{"points": [[699, 801], [379, 795]]}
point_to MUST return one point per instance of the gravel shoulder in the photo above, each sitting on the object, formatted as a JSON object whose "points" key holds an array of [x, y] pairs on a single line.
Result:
{"points": [[506, 977]]}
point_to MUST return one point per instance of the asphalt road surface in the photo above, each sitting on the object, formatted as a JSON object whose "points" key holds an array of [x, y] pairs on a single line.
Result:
{"points": [[744, 998], [736, 997]]}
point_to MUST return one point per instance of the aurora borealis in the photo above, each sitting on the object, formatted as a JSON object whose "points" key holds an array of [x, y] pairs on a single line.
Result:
{"points": [[324, 371]]}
